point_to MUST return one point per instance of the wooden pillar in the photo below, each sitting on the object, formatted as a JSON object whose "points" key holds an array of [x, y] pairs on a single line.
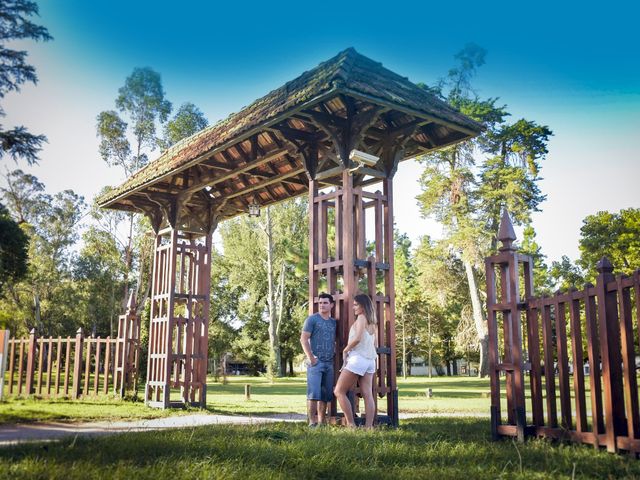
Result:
{"points": [[390, 305], [507, 302], [609, 329], [179, 323], [340, 273]]}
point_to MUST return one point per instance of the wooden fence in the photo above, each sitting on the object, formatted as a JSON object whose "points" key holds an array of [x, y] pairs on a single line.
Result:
{"points": [[75, 366], [597, 326]]}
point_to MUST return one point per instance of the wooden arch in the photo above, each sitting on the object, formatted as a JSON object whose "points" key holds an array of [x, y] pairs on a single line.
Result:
{"points": [[296, 140]]}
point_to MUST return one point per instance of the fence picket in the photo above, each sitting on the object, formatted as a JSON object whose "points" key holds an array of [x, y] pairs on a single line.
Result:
{"points": [[563, 364], [67, 364], [20, 365], [58, 369], [12, 364], [96, 368], [578, 365], [40, 347], [87, 366], [49, 365], [549, 373], [629, 361]]}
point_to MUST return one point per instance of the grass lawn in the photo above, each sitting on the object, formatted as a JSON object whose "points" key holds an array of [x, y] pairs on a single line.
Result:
{"points": [[442, 448], [286, 395]]}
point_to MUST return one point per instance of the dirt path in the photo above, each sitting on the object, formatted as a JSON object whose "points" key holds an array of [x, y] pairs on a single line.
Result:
{"points": [[30, 432], [51, 431]]}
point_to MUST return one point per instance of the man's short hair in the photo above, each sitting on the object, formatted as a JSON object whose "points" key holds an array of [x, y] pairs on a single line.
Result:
{"points": [[328, 296]]}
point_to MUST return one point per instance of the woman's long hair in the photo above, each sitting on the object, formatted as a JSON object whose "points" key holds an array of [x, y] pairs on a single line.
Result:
{"points": [[369, 312]]}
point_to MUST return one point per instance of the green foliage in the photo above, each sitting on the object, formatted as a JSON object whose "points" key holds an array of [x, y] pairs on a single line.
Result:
{"points": [[187, 121], [410, 305], [14, 71], [98, 273], [542, 281], [13, 249], [244, 276], [565, 275], [114, 147], [612, 235], [142, 99], [45, 297]]}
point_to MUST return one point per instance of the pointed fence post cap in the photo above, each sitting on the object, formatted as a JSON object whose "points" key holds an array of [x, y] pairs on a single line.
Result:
{"points": [[505, 232], [604, 266]]}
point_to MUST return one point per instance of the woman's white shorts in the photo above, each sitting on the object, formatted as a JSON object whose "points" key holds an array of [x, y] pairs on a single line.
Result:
{"points": [[360, 365]]}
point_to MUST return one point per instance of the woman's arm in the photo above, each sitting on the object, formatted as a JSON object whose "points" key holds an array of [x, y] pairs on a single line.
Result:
{"points": [[359, 326]]}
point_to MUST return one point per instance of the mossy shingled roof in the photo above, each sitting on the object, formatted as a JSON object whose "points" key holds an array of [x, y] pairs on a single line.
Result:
{"points": [[349, 73]]}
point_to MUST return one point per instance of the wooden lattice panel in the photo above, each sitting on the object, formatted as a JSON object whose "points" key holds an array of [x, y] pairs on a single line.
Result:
{"points": [[179, 324]]}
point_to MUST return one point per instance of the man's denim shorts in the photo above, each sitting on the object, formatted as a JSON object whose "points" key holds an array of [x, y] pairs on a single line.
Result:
{"points": [[320, 381]]}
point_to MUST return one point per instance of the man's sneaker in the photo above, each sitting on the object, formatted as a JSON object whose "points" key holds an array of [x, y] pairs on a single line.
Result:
{"points": [[313, 425]]}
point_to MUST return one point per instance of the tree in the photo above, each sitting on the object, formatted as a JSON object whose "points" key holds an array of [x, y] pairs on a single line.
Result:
{"points": [[542, 282], [443, 289], [612, 235], [565, 275], [259, 252], [46, 297], [507, 156], [13, 249], [409, 301], [14, 71], [142, 100], [98, 274], [187, 121]]}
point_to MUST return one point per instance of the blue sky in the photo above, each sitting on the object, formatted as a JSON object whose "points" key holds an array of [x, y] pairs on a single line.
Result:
{"points": [[574, 67]]}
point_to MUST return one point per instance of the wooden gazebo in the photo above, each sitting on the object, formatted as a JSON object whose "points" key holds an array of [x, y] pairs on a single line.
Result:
{"points": [[297, 139]]}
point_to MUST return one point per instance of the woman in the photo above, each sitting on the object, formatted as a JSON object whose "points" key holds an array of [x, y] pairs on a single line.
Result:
{"points": [[359, 361]]}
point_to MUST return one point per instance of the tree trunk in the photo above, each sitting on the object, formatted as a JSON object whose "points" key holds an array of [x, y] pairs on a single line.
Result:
{"points": [[478, 319], [483, 368], [404, 352], [430, 345], [128, 262], [275, 364]]}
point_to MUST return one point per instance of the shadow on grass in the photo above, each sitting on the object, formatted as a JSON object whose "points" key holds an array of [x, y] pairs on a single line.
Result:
{"points": [[446, 447]]}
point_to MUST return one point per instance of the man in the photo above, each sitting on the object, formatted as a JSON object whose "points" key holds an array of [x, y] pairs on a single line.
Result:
{"points": [[318, 340]]}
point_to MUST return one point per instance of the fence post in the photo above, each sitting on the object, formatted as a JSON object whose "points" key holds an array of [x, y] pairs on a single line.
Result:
{"points": [[507, 303], [31, 361], [609, 327], [4, 355], [77, 365]]}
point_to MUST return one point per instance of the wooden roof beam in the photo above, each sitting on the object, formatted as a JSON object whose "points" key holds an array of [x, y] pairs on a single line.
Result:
{"points": [[258, 186], [214, 179]]}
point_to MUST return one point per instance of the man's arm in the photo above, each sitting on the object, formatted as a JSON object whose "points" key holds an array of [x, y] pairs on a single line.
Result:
{"points": [[305, 341]]}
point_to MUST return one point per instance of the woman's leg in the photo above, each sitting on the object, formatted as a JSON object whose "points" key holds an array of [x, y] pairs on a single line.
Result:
{"points": [[366, 387], [345, 382]]}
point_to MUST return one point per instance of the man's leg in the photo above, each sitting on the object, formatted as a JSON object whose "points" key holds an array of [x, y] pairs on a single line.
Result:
{"points": [[312, 411], [314, 383], [322, 411], [327, 391]]}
